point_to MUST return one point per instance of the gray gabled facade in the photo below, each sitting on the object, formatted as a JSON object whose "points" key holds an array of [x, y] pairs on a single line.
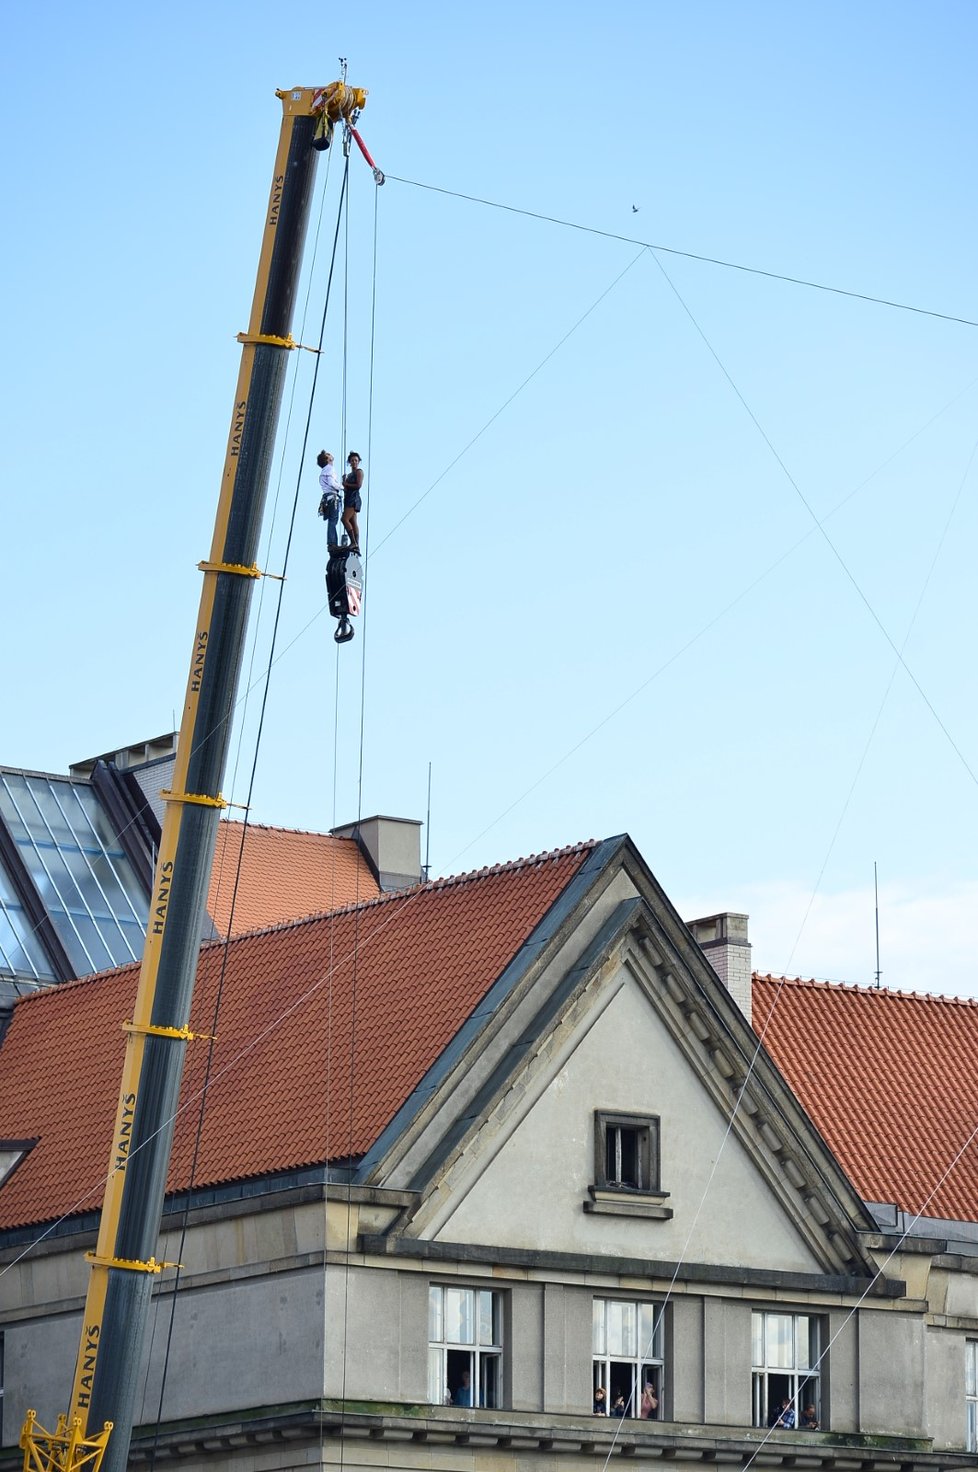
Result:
{"points": [[603, 1180]]}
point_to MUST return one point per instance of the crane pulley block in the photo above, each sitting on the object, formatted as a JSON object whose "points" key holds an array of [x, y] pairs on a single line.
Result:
{"points": [[344, 588], [333, 104]]}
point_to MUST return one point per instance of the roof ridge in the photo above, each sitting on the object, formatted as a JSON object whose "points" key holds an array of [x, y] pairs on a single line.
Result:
{"points": [[823, 984], [283, 828], [510, 864], [62, 988], [368, 902], [430, 886]]}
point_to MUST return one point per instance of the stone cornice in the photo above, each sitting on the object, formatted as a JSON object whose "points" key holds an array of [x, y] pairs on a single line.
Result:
{"points": [[472, 1253], [430, 1428]]}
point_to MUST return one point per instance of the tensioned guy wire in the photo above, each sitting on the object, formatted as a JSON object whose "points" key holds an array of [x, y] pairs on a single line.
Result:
{"points": [[819, 527], [689, 255]]}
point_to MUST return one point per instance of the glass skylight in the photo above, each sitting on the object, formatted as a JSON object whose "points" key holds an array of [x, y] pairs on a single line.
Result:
{"points": [[21, 951], [81, 872]]}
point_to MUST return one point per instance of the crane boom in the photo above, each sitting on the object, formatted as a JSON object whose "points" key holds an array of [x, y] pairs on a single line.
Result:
{"points": [[123, 1266]]}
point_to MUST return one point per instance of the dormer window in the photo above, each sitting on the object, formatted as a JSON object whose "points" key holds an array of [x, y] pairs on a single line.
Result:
{"points": [[12, 1153], [626, 1166]]}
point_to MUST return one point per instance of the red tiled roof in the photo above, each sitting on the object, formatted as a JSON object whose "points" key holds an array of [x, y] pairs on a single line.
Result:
{"points": [[891, 1081], [285, 873], [326, 1025]]}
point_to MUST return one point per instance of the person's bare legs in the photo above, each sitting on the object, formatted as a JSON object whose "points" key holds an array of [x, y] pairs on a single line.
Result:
{"points": [[351, 527]]}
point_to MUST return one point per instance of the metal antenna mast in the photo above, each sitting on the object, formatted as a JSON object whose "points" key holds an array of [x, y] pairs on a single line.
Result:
{"points": [[427, 831], [876, 891]]}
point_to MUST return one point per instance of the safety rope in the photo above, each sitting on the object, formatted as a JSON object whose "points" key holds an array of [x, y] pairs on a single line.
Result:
{"points": [[273, 517], [356, 914], [344, 389]]}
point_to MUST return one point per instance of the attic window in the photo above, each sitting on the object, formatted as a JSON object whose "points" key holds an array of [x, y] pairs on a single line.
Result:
{"points": [[12, 1152], [626, 1152], [626, 1166]]}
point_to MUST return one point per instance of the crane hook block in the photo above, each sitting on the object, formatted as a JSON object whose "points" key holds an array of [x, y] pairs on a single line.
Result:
{"points": [[344, 589]]}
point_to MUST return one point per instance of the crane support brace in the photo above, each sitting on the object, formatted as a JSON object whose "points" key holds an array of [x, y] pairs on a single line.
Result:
{"points": [[181, 1034], [268, 339], [63, 1450], [235, 567], [130, 1266], [198, 797]]}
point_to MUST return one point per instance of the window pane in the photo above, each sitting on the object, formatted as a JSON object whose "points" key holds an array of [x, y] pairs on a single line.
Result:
{"points": [[21, 950], [437, 1384], [134, 940], [489, 1381], [757, 1339], [971, 1367], [621, 1328], [629, 1158], [46, 815], [808, 1396], [778, 1341], [597, 1325], [8, 809], [648, 1333], [487, 1327], [804, 1334], [89, 937], [459, 1316], [760, 1398], [972, 1426], [435, 1330]]}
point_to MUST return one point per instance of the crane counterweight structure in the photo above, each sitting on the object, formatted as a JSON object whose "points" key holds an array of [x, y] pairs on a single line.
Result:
{"points": [[123, 1266]]}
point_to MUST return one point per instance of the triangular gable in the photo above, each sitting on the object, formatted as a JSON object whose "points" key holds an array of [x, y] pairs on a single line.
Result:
{"points": [[621, 1013]]}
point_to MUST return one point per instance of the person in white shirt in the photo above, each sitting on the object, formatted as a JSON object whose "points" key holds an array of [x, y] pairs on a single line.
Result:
{"points": [[329, 503]]}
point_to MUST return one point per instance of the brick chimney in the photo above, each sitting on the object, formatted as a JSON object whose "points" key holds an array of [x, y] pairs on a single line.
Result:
{"points": [[391, 846], [723, 941]]}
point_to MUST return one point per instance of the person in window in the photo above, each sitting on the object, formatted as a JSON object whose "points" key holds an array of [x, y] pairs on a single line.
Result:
{"points": [[809, 1419], [618, 1406], [784, 1416], [352, 501], [600, 1407], [463, 1392], [648, 1408]]}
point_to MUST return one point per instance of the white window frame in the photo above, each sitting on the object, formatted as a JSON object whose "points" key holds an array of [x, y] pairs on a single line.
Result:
{"points": [[786, 1361], [627, 1341], [465, 1332], [971, 1394]]}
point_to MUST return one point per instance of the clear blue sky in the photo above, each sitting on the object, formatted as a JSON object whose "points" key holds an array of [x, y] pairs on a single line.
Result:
{"points": [[615, 612]]}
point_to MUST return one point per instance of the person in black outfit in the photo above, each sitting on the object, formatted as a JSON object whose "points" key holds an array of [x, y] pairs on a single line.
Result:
{"points": [[352, 500]]}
